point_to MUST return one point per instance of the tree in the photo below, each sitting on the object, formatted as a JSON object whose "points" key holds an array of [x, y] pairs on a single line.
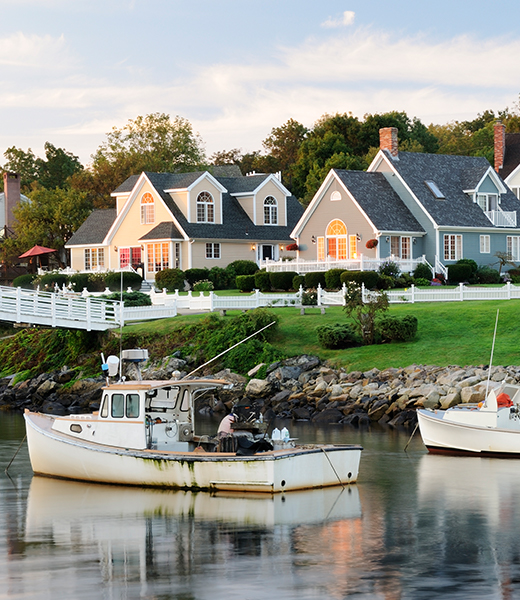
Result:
{"points": [[283, 145], [50, 218], [154, 143], [23, 163], [364, 313]]}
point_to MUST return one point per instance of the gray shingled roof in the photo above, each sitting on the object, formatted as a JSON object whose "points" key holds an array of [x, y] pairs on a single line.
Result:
{"points": [[164, 231], [94, 229], [453, 175], [379, 201]]}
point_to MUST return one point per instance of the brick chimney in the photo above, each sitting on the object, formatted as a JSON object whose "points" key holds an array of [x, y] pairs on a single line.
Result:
{"points": [[500, 145], [11, 197], [388, 140]]}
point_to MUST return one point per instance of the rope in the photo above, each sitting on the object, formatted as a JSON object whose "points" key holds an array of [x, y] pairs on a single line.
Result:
{"points": [[7, 468], [330, 463]]}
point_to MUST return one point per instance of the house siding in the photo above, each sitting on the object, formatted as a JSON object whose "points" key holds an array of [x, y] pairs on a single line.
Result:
{"points": [[270, 189], [205, 186]]}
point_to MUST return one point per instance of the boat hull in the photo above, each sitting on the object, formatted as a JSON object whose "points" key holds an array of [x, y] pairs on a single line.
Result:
{"points": [[56, 455], [442, 436]]}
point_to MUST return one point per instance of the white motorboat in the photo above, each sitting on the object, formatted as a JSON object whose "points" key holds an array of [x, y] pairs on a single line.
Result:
{"points": [[491, 428], [143, 435]]}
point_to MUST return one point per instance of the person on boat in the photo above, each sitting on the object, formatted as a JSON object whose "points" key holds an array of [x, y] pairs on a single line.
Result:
{"points": [[224, 427]]}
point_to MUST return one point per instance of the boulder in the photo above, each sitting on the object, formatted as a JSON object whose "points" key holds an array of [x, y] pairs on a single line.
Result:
{"points": [[258, 387]]}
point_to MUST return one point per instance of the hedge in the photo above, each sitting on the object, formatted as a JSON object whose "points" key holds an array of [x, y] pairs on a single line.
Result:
{"points": [[282, 280], [130, 279], [171, 279], [245, 283], [422, 271], [333, 279], [371, 279], [262, 281], [51, 280], [24, 281], [399, 329], [340, 335], [242, 267], [194, 275], [312, 280], [459, 272]]}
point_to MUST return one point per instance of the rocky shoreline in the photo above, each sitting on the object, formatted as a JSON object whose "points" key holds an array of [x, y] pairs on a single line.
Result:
{"points": [[300, 388]]}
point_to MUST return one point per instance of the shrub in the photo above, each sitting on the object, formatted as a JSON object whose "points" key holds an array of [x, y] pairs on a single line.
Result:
{"points": [[422, 271], [130, 279], [487, 275], [459, 272], [79, 281], [171, 279], [310, 298], [422, 282], [24, 281], [282, 280], [203, 286], [470, 262], [340, 335], [220, 278], [298, 280], [130, 298], [242, 267], [96, 282], [369, 278], [245, 283], [390, 268], [399, 329], [312, 280], [262, 281], [363, 313], [194, 275], [333, 279], [51, 280]]}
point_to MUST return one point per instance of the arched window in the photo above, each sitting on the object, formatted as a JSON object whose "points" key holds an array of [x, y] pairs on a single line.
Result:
{"points": [[337, 240], [270, 211], [147, 209], [205, 208], [335, 196]]}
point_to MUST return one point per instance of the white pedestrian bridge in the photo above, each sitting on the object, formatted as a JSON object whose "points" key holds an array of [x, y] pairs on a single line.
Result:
{"points": [[19, 305]]}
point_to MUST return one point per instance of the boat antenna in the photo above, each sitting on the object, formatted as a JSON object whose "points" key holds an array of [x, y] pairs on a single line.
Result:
{"points": [[492, 350], [231, 348]]}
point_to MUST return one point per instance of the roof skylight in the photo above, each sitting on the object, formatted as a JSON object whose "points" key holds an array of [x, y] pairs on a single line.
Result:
{"points": [[434, 189]]}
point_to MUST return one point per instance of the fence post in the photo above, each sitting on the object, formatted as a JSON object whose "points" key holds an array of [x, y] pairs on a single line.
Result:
{"points": [[257, 298], [319, 294], [344, 294], [413, 293], [19, 304], [363, 291], [88, 315], [211, 300], [508, 290], [461, 288]]}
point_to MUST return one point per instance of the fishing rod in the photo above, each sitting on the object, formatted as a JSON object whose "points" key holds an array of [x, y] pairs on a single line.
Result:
{"points": [[231, 348]]}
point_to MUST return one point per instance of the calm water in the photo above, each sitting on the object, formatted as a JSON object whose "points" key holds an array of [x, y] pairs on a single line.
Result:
{"points": [[415, 526]]}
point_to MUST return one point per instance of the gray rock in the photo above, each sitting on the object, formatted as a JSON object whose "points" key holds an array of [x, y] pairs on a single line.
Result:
{"points": [[258, 387]]}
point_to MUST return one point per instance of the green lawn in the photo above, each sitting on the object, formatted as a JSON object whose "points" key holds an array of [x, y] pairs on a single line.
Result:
{"points": [[450, 333]]}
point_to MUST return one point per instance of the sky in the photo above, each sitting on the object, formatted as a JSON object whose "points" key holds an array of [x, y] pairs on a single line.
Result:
{"points": [[71, 70]]}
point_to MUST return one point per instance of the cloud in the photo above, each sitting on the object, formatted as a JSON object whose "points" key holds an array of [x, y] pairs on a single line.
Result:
{"points": [[346, 19], [34, 51]]}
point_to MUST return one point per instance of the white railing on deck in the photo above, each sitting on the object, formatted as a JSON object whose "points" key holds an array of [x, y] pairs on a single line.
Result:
{"points": [[502, 218], [359, 264]]}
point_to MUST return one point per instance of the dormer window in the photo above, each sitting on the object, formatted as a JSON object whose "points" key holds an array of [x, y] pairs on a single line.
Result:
{"points": [[487, 202], [434, 189], [270, 211], [147, 209], [205, 208]]}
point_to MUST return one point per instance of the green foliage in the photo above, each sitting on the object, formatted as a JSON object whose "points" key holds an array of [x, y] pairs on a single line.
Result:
{"points": [[398, 329], [130, 298], [312, 280], [487, 275], [422, 282], [50, 280], [194, 275], [262, 281], [96, 282], [390, 268], [371, 279], [245, 283], [386, 282], [310, 298], [220, 278], [130, 279], [24, 281], [340, 335], [298, 280], [282, 280], [79, 281], [205, 285], [364, 313], [422, 271], [333, 279], [242, 267], [171, 279], [458, 273], [470, 262]]}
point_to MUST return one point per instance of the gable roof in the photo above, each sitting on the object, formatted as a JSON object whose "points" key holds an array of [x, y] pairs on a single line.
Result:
{"points": [[512, 155], [453, 175], [379, 201], [94, 229]]}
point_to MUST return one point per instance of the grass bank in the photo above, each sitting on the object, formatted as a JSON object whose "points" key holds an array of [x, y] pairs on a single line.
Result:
{"points": [[450, 333]]}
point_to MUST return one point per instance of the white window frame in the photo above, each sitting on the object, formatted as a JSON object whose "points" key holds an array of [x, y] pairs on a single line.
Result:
{"points": [[335, 196], [401, 246], [452, 248], [147, 209], [513, 247], [205, 208], [213, 250], [94, 259], [270, 211], [157, 256], [485, 244], [486, 200]]}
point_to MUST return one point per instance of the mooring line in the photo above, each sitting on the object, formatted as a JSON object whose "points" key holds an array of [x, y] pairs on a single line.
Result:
{"points": [[21, 443], [330, 463], [413, 433]]}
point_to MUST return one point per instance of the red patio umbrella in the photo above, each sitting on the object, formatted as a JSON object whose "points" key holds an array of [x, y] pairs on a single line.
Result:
{"points": [[37, 251]]}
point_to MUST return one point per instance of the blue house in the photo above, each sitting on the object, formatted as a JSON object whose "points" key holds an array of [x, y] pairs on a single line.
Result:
{"points": [[411, 206]]}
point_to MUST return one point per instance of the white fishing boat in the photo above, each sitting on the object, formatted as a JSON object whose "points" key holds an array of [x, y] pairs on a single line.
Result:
{"points": [[143, 435], [490, 428]]}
